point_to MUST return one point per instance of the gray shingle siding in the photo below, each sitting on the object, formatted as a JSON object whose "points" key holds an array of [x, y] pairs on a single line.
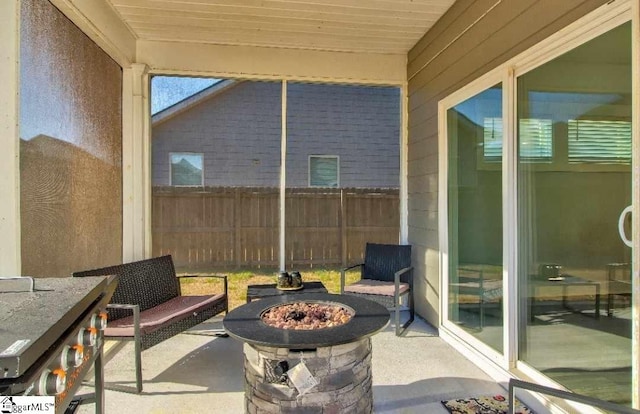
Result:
{"points": [[238, 131]]}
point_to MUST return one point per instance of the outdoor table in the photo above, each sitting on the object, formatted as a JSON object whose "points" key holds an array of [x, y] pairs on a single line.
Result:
{"points": [[565, 281], [263, 291]]}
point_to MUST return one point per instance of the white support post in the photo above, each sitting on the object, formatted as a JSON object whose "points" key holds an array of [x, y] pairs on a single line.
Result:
{"points": [[404, 164], [283, 176], [10, 243], [136, 164]]}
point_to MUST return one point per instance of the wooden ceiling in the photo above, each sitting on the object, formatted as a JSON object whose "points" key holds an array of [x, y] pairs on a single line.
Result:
{"points": [[370, 26]]}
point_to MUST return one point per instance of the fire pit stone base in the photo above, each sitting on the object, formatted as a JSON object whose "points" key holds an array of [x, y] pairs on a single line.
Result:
{"points": [[343, 373]]}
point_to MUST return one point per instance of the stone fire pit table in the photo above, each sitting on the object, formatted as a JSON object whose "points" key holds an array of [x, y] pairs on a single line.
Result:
{"points": [[338, 358]]}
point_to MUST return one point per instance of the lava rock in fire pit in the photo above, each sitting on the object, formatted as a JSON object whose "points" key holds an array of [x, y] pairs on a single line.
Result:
{"points": [[295, 315], [307, 315]]}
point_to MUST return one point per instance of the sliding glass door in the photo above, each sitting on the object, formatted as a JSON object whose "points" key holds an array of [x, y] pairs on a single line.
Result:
{"points": [[536, 184], [574, 181]]}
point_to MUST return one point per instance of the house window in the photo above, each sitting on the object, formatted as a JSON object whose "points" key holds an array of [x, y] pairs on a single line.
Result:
{"points": [[536, 139], [492, 147], [186, 169], [599, 141], [324, 171]]}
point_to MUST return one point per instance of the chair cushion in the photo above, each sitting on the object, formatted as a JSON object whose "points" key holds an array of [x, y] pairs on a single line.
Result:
{"points": [[162, 315], [375, 287]]}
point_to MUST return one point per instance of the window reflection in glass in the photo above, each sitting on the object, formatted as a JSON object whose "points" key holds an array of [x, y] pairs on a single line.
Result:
{"points": [[186, 169], [474, 134], [568, 212]]}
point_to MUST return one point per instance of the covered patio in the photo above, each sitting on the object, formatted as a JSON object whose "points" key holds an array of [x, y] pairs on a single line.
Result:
{"points": [[198, 372], [76, 182]]}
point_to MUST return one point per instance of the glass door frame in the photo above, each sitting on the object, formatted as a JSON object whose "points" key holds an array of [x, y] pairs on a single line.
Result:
{"points": [[592, 25], [485, 352]]}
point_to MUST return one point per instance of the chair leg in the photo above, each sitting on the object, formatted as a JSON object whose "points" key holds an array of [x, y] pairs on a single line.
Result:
{"points": [[401, 328], [138, 352], [412, 310], [398, 327]]}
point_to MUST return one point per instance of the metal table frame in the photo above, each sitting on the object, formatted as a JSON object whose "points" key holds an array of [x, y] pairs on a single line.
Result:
{"points": [[567, 282]]}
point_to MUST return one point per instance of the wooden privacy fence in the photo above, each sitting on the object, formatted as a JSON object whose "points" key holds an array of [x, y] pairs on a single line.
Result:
{"points": [[222, 227]]}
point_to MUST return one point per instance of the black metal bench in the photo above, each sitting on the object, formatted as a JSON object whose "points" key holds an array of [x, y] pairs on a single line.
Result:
{"points": [[148, 306]]}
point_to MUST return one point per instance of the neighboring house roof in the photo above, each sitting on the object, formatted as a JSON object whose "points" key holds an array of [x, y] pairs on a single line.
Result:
{"points": [[193, 100]]}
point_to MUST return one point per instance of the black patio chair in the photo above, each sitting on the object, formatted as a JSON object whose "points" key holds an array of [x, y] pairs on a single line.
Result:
{"points": [[385, 276], [472, 281]]}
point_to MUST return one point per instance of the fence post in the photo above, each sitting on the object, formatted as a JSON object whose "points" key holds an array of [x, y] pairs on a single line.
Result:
{"points": [[343, 227], [237, 224]]}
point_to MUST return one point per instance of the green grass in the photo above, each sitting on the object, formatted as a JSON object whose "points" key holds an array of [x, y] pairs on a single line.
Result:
{"points": [[238, 281]]}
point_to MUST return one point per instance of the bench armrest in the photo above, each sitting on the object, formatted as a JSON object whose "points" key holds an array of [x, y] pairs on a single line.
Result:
{"points": [[343, 273], [134, 308], [136, 315], [224, 277]]}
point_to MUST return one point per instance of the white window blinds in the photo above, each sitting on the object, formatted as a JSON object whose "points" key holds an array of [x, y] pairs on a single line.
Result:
{"points": [[599, 141], [536, 139], [492, 139]]}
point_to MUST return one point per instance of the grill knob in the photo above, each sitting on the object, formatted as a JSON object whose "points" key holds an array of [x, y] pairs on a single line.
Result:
{"points": [[87, 336], [71, 356], [99, 321], [52, 382]]}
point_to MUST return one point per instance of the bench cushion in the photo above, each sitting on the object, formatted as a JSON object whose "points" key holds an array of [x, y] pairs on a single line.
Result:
{"points": [[162, 315], [375, 287]]}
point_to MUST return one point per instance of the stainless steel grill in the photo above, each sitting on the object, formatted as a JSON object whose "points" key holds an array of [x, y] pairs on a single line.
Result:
{"points": [[51, 334]]}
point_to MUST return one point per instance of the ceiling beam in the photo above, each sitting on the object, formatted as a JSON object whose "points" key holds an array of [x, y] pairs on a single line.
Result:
{"points": [[252, 62], [98, 20]]}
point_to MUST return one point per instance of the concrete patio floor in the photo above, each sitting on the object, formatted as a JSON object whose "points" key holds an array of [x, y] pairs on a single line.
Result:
{"points": [[197, 372]]}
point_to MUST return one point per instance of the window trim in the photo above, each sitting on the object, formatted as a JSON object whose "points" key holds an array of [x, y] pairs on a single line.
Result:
{"points": [[171, 154], [336, 157]]}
